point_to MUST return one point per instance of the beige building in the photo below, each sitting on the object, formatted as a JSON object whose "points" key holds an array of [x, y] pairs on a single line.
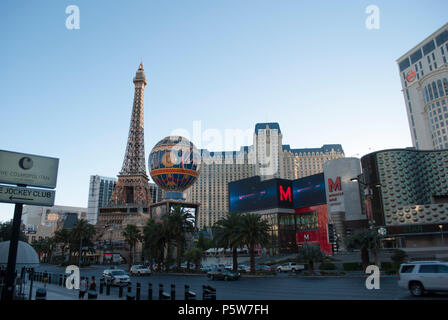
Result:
{"points": [[42, 222], [267, 157]]}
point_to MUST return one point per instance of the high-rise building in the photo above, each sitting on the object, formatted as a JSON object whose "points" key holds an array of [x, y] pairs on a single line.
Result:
{"points": [[41, 222], [100, 191], [424, 81], [267, 158], [157, 194]]}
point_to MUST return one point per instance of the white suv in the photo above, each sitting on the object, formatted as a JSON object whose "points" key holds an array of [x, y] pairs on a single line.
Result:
{"points": [[290, 266], [139, 270], [116, 277], [423, 276]]}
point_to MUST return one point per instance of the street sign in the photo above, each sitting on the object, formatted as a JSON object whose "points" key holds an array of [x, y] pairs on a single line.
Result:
{"points": [[31, 196], [28, 169]]}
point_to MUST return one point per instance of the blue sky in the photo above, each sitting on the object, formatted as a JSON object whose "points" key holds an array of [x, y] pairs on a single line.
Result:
{"points": [[312, 66]]}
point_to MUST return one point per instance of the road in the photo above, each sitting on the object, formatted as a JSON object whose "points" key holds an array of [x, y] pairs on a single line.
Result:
{"points": [[280, 287]]}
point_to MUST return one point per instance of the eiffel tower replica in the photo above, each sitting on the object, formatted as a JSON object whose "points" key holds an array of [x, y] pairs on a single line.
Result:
{"points": [[131, 196]]}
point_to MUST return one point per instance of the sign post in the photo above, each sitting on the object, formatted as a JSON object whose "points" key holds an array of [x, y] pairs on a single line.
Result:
{"points": [[22, 170]]}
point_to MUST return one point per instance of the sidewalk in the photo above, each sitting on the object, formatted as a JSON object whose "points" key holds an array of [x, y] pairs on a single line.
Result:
{"points": [[55, 292]]}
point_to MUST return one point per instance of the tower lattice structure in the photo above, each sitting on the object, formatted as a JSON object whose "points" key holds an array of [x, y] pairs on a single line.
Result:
{"points": [[132, 187]]}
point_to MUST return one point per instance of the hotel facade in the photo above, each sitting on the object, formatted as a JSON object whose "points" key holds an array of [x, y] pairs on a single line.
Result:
{"points": [[424, 80], [267, 158]]}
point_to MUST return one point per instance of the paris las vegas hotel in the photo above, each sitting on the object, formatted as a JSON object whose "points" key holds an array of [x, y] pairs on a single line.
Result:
{"points": [[267, 158]]}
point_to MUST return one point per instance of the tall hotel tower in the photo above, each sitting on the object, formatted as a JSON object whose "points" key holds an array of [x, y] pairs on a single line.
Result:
{"points": [[424, 79]]}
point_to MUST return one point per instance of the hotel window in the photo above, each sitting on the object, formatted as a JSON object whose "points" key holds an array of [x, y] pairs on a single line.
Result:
{"points": [[440, 86], [436, 95], [429, 47], [430, 92]]}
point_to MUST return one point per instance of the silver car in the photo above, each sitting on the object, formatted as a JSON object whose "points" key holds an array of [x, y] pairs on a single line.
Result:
{"points": [[423, 276], [140, 270], [116, 277]]}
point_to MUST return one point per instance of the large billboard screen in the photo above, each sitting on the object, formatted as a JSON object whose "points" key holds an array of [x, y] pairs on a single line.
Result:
{"points": [[309, 191], [252, 194]]}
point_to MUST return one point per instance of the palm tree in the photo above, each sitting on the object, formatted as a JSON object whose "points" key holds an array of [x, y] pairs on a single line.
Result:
{"points": [[132, 235], [154, 241], [179, 222], [38, 245], [311, 254], [193, 255], [49, 246], [62, 236], [227, 235], [364, 240], [82, 232], [253, 231]]}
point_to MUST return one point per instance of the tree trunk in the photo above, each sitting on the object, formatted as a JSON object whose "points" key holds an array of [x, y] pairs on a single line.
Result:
{"points": [[375, 256], [252, 260], [130, 257], [365, 257], [178, 253], [168, 256], [235, 259], [311, 266]]}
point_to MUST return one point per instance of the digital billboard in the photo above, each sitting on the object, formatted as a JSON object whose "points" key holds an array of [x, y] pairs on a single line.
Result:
{"points": [[253, 194], [309, 191]]}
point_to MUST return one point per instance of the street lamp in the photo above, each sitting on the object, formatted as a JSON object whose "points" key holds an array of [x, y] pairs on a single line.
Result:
{"points": [[441, 232]]}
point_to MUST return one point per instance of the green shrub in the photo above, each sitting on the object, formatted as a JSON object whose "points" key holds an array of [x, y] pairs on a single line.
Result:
{"points": [[399, 256], [386, 265], [327, 266], [352, 266]]}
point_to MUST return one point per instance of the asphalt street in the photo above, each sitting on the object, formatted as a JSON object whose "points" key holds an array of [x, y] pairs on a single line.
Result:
{"points": [[281, 287]]}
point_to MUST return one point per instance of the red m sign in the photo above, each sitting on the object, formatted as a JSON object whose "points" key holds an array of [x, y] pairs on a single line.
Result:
{"points": [[334, 186], [285, 196]]}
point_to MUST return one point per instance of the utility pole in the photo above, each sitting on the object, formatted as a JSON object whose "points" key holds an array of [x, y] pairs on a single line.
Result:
{"points": [[8, 289]]}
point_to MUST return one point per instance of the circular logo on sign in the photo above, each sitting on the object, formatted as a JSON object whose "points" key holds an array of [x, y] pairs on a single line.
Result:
{"points": [[26, 163], [410, 76]]}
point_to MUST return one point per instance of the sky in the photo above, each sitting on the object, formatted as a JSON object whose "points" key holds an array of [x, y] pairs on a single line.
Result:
{"points": [[311, 66]]}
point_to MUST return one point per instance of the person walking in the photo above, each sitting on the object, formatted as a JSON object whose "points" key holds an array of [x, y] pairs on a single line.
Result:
{"points": [[45, 278], [92, 285], [82, 288]]}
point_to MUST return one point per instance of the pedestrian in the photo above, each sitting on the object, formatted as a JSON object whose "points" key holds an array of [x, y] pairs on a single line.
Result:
{"points": [[92, 285], [82, 288], [45, 278]]}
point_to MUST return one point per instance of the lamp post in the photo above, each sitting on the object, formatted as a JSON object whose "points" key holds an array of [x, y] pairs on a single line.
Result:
{"points": [[441, 231]]}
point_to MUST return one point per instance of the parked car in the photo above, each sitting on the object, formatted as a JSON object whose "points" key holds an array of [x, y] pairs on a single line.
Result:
{"points": [[290, 266], [420, 277], [115, 277], [263, 267], [140, 270], [206, 268], [223, 274]]}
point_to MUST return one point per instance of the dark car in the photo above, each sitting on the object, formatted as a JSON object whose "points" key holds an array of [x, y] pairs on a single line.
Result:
{"points": [[223, 274]]}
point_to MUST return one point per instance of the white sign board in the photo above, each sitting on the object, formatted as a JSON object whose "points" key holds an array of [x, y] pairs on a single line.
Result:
{"points": [[28, 169], [37, 197]]}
